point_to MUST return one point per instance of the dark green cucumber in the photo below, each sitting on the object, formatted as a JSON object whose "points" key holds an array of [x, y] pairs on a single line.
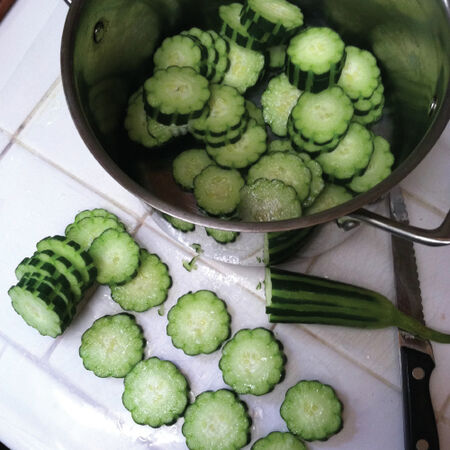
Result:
{"points": [[222, 48], [312, 411], [222, 236], [372, 116], [298, 298], [112, 346], [216, 420]]}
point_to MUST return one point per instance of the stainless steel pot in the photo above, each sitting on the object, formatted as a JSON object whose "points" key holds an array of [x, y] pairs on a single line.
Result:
{"points": [[106, 53]]}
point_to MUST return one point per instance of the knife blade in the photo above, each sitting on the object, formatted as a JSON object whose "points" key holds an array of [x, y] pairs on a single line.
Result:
{"points": [[416, 355]]}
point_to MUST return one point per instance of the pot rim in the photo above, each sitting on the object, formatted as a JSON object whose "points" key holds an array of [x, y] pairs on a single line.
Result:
{"points": [[441, 118]]}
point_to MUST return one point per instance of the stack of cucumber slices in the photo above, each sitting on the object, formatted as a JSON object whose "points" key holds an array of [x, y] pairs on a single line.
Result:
{"points": [[317, 92]]}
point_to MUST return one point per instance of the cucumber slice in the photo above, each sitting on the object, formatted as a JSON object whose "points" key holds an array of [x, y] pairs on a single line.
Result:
{"points": [[331, 196], [164, 133], [227, 112], [361, 75], [187, 165], [280, 145], [312, 411], [372, 116], [255, 113], [277, 56], [112, 346], [116, 257], [148, 288], [230, 138], [179, 224], [41, 306], [73, 252], [97, 212], [252, 362], [222, 236], [351, 156], [315, 59], [317, 181], [182, 51], [136, 122], [37, 268], [302, 145], [176, 95], [231, 27], [363, 106], [268, 201], [155, 392], [216, 420], [322, 117], [208, 42], [244, 152], [277, 101], [222, 48], [246, 68], [198, 323], [279, 440], [379, 168], [217, 190], [286, 167], [66, 268], [86, 230]]}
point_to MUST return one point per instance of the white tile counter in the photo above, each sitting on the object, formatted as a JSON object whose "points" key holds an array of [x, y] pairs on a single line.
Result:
{"points": [[49, 401]]}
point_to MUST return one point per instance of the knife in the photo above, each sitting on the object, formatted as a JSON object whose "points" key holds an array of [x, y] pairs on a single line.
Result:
{"points": [[416, 355]]}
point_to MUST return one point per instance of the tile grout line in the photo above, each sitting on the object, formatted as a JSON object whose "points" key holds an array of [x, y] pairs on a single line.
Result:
{"points": [[30, 115], [78, 180], [424, 204]]}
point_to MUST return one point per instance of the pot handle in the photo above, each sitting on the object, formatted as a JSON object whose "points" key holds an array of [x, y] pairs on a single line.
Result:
{"points": [[437, 237]]}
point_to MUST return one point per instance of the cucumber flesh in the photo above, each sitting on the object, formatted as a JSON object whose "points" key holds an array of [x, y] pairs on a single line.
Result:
{"points": [[179, 224], [280, 145], [317, 181], [187, 165], [312, 410], [279, 440], [222, 48], [148, 288], [216, 420], [268, 201], [217, 190], [277, 101], [379, 168], [116, 257], [112, 346], [155, 392], [198, 323], [277, 56], [252, 362], [351, 156], [286, 167], [331, 196], [244, 152], [372, 116], [86, 230], [222, 236], [255, 113], [97, 212]]}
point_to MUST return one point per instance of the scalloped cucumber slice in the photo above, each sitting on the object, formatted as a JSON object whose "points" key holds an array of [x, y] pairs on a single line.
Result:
{"points": [[116, 257], [149, 288], [278, 440], [312, 410], [198, 323], [332, 195], [112, 346], [188, 164], [286, 167], [277, 101], [222, 236], [280, 145], [96, 212], [244, 152], [269, 201], [351, 156], [178, 224], [252, 362], [216, 420], [277, 56], [379, 168], [217, 190], [255, 113], [155, 392]]}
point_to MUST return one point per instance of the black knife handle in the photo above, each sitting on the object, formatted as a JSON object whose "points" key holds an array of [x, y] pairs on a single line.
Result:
{"points": [[420, 424]]}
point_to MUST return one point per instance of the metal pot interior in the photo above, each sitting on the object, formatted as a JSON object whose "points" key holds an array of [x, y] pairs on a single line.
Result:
{"points": [[107, 53]]}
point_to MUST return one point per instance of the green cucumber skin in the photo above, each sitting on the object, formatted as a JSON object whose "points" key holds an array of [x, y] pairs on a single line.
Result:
{"points": [[297, 298]]}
